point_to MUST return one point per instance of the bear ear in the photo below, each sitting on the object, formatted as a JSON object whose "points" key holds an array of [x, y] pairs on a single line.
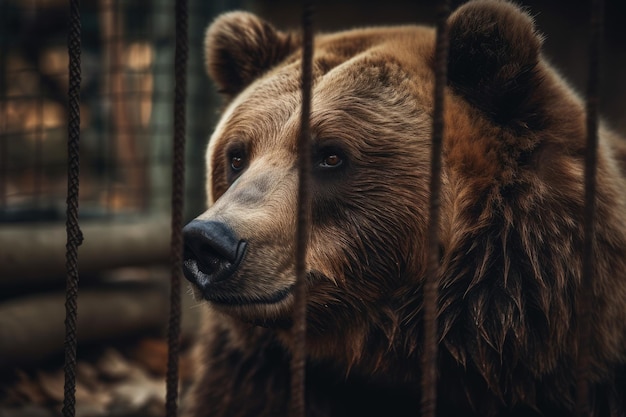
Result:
{"points": [[239, 47], [493, 57]]}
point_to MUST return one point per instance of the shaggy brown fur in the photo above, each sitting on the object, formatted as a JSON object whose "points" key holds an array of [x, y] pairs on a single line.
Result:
{"points": [[511, 224]]}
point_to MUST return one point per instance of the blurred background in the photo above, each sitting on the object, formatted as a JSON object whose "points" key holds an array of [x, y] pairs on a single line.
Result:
{"points": [[126, 141]]}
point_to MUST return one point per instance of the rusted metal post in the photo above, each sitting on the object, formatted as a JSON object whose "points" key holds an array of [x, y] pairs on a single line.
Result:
{"points": [[178, 197], [298, 361], [585, 302], [429, 357]]}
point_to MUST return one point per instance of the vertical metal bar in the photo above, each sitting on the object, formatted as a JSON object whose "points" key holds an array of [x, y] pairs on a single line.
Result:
{"points": [[38, 162], [4, 125], [74, 234], [429, 357], [107, 14], [584, 300], [298, 362], [178, 192]]}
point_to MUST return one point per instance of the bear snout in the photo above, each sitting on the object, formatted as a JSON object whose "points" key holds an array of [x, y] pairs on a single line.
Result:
{"points": [[212, 253]]}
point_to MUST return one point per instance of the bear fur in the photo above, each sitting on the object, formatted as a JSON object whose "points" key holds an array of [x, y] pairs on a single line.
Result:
{"points": [[511, 225]]}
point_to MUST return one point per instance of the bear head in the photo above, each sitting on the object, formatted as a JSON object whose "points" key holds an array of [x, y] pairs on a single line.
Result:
{"points": [[511, 201]]}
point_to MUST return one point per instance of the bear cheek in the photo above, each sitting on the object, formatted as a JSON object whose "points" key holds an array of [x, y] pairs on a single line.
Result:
{"points": [[326, 257]]}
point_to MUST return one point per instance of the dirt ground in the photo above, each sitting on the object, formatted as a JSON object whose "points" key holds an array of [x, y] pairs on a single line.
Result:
{"points": [[123, 380]]}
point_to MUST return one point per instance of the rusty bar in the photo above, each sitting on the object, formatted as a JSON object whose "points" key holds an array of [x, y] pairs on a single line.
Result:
{"points": [[429, 356], [584, 300], [298, 361], [178, 194]]}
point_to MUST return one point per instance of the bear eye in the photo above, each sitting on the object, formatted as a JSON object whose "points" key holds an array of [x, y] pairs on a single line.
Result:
{"points": [[332, 160], [237, 162]]}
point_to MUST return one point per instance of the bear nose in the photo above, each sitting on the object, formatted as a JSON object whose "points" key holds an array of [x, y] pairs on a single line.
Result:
{"points": [[212, 252]]}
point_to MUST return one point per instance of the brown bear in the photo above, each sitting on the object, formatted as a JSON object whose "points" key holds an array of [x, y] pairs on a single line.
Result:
{"points": [[511, 225]]}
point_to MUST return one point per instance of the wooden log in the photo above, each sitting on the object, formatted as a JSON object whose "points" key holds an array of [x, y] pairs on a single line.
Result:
{"points": [[31, 328], [35, 254]]}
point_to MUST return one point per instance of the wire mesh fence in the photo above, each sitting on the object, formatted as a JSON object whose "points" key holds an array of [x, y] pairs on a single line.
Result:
{"points": [[126, 101]]}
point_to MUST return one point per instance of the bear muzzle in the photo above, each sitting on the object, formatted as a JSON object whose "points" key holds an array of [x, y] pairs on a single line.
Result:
{"points": [[212, 253]]}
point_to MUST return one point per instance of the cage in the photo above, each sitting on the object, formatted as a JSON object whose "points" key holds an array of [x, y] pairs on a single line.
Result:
{"points": [[126, 131]]}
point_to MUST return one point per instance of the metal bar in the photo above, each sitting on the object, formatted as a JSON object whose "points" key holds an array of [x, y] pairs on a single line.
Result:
{"points": [[584, 300], [429, 356], [298, 362], [178, 191]]}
